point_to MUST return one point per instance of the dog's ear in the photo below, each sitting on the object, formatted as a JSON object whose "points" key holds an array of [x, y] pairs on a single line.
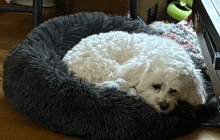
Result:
{"points": [[134, 75], [192, 90]]}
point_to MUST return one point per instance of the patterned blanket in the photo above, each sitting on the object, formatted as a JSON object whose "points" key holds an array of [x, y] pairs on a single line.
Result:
{"points": [[182, 33]]}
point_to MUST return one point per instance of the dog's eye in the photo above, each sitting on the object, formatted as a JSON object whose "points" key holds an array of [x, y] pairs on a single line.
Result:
{"points": [[173, 91], [157, 86]]}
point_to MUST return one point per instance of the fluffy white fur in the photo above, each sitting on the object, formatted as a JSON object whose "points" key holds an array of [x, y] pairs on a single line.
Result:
{"points": [[156, 69]]}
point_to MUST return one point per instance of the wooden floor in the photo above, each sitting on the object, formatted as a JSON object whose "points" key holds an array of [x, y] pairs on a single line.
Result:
{"points": [[13, 126]]}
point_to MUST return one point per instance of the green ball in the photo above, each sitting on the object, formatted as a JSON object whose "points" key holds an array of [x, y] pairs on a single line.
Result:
{"points": [[177, 13]]}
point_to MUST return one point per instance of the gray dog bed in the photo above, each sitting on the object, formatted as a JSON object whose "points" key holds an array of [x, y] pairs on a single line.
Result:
{"points": [[37, 83]]}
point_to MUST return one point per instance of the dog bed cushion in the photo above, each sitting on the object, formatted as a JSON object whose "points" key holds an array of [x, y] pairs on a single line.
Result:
{"points": [[37, 83]]}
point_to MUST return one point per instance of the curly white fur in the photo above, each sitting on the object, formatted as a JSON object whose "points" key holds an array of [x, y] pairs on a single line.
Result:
{"points": [[156, 69]]}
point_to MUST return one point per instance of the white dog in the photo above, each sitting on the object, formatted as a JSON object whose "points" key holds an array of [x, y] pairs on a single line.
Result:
{"points": [[156, 69]]}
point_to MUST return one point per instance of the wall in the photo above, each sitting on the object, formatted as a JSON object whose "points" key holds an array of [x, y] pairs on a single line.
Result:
{"points": [[2, 2], [119, 7], [144, 7]]}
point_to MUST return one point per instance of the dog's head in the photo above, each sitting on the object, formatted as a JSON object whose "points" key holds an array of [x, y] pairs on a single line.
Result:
{"points": [[162, 87]]}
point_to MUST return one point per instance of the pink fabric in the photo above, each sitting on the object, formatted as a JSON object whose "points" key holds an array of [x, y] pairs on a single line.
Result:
{"points": [[191, 44]]}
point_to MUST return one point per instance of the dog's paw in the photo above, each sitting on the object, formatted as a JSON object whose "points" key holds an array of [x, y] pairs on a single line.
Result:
{"points": [[109, 84], [132, 92], [118, 84]]}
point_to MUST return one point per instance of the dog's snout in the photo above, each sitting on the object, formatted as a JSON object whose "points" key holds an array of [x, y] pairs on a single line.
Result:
{"points": [[164, 105]]}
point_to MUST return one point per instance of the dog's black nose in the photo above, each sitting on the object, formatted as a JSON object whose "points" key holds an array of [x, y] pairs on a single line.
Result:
{"points": [[164, 106]]}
